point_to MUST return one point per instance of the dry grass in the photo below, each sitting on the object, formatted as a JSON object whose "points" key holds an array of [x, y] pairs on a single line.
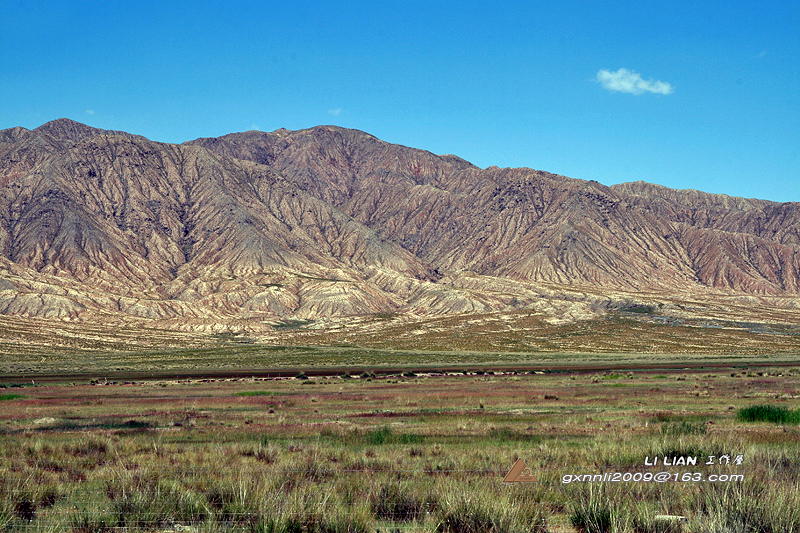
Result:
{"points": [[421, 453]]}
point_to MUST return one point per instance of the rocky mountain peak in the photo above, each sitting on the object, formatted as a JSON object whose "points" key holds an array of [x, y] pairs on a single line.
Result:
{"points": [[329, 221]]}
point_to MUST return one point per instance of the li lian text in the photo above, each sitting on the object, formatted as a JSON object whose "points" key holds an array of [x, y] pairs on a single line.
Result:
{"points": [[685, 460]]}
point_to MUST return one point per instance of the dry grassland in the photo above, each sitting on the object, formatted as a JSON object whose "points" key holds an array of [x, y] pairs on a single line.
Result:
{"points": [[377, 452]]}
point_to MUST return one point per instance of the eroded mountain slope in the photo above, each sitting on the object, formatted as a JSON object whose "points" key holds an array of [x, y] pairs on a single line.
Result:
{"points": [[532, 225], [168, 224], [249, 229]]}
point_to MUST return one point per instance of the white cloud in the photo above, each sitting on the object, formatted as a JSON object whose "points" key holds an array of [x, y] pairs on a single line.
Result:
{"points": [[628, 81], [335, 112], [90, 112]]}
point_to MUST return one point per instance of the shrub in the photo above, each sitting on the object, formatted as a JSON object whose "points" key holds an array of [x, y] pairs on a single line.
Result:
{"points": [[377, 437], [640, 309], [306, 521], [91, 520], [7, 397], [92, 447], [768, 413], [754, 505], [151, 503], [592, 519], [410, 438], [683, 427], [399, 503], [596, 511], [648, 524], [507, 434], [467, 518], [26, 509]]}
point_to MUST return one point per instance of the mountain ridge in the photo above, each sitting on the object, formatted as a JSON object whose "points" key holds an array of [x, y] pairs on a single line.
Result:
{"points": [[254, 227]]}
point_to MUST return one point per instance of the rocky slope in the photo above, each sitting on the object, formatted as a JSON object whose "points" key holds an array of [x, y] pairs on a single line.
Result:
{"points": [[161, 230], [532, 225], [254, 228]]}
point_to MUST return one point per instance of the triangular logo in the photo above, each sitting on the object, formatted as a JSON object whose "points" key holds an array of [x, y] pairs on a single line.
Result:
{"points": [[520, 473]]}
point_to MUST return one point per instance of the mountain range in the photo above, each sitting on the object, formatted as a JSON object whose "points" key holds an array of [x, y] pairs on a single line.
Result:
{"points": [[252, 229]]}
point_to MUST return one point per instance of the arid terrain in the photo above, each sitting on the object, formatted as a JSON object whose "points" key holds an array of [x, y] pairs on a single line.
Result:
{"points": [[406, 451], [109, 241], [317, 331]]}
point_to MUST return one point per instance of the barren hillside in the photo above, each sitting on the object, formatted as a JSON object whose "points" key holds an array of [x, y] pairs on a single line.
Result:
{"points": [[251, 229]]}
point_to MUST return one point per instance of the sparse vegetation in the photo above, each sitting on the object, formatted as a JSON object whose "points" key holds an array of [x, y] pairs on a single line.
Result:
{"points": [[683, 427], [292, 324], [255, 393], [7, 397], [641, 309], [768, 413], [389, 454]]}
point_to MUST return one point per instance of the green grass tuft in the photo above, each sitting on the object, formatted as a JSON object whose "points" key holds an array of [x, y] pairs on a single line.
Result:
{"points": [[254, 393], [683, 427], [768, 413], [7, 397]]}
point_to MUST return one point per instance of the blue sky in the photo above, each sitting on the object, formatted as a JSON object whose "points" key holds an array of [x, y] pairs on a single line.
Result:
{"points": [[687, 94]]}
